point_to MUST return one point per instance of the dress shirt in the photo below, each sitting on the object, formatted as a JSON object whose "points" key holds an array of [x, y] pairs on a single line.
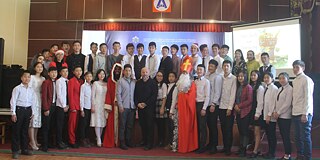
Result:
{"points": [[125, 93], [302, 95], [273, 69], [203, 91], [126, 59], [196, 60], [132, 65], [215, 87], [85, 96], [206, 62], [61, 89], [174, 100], [86, 62], [100, 62], [220, 61], [54, 96], [270, 97], [152, 63], [22, 96], [229, 88], [284, 102], [162, 92], [260, 93]]}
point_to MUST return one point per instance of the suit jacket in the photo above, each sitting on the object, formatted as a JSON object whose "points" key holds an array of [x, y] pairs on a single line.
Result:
{"points": [[166, 66], [245, 104], [74, 86], [47, 94]]}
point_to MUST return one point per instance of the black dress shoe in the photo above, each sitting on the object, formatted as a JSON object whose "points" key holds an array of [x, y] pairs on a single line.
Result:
{"points": [[62, 146], [44, 149], [123, 146], [142, 144], [213, 150], [129, 144], [147, 148], [15, 155], [222, 151], [227, 153], [74, 145], [26, 152], [201, 150]]}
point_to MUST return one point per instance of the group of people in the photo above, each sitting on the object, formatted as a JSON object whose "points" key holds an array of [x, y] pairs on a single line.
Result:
{"points": [[182, 96]]}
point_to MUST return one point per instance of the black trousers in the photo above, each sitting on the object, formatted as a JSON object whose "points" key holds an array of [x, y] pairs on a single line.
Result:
{"points": [[243, 128], [161, 128], [212, 119], [284, 127], [146, 120], [226, 128], [20, 129], [60, 123], [202, 126], [126, 125], [84, 124], [271, 136], [48, 126], [170, 130]]}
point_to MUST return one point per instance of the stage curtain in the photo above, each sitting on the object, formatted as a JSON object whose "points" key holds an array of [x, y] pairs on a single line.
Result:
{"points": [[159, 27]]}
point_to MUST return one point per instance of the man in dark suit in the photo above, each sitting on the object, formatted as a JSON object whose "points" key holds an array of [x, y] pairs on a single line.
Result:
{"points": [[166, 64]]}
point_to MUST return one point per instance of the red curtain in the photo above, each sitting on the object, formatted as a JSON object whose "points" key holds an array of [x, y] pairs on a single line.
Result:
{"points": [[160, 27]]}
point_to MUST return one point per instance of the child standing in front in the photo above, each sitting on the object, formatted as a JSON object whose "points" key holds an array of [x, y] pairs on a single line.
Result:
{"points": [[22, 105], [74, 86]]}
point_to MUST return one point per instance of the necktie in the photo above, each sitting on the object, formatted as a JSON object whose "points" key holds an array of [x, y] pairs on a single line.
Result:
{"points": [[203, 60], [67, 103], [265, 68], [279, 94], [265, 91]]}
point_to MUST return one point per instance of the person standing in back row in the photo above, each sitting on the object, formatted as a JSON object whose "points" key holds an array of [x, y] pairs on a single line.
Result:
{"points": [[75, 59]]}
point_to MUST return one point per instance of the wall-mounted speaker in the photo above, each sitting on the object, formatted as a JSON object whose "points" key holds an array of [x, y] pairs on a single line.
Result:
{"points": [[1, 50]]}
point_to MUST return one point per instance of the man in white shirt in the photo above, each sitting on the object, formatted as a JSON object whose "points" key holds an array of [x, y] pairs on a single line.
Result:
{"points": [[266, 66], [127, 58], [205, 56], [138, 62], [153, 60], [229, 88], [62, 105], [216, 56], [202, 102], [89, 61], [302, 110]]}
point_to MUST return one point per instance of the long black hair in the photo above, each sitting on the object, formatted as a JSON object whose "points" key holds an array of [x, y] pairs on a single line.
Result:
{"points": [[43, 73], [245, 75], [256, 84], [161, 83], [98, 72]]}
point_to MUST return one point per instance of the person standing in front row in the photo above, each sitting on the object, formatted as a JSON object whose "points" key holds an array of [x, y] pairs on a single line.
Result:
{"points": [[213, 109], [62, 105], [302, 110], [74, 86], [283, 112], [228, 95], [202, 102], [22, 105], [145, 97], [125, 95], [153, 60], [243, 105], [85, 108]]}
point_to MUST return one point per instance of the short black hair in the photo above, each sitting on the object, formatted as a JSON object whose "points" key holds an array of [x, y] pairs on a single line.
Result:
{"points": [[54, 45], [299, 63], [64, 67], [184, 45], [93, 43], [103, 44], [64, 42], [87, 73], [129, 45], [74, 42], [265, 54], [127, 66], [25, 72], [269, 74], [175, 46], [174, 73], [215, 45], [227, 61], [285, 74], [214, 62], [52, 69], [225, 46], [201, 65], [75, 67], [115, 42], [139, 45], [153, 44], [44, 50], [202, 46], [165, 47]]}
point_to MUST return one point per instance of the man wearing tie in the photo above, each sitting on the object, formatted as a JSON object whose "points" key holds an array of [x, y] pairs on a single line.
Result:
{"points": [[266, 67], [205, 56]]}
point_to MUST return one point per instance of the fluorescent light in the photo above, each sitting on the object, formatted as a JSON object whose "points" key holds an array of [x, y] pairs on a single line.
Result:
{"points": [[161, 20], [111, 20], [211, 21]]}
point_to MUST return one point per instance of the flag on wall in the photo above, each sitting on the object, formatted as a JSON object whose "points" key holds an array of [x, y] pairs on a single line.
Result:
{"points": [[161, 6]]}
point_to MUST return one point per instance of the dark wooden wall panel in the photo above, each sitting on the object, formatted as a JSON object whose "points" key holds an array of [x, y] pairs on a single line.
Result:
{"points": [[75, 9], [191, 9], [147, 10], [175, 10], [131, 8], [279, 2], [52, 30], [249, 10], [48, 11], [230, 10], [212, 9], [111, 8], [93, 9]]}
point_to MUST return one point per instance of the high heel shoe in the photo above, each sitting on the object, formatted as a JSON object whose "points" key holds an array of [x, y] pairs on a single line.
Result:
{"points": [[33, 147]]}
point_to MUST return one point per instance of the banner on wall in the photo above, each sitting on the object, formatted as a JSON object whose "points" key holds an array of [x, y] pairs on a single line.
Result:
{"points": [[144, 37], [161, 6]]}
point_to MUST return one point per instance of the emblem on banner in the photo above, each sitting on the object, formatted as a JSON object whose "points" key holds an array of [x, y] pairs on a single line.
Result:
{"points": [[161, 6]]}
